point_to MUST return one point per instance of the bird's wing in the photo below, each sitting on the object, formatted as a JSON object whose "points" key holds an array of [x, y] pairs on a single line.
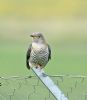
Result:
{"points": [[49, 57], [28, 56]]}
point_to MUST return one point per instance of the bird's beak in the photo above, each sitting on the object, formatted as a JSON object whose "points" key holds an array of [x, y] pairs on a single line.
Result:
{"points": [[31, 35]]}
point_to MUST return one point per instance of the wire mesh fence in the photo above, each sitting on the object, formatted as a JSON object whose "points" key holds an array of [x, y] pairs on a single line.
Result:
{"points": [[31, 88]]}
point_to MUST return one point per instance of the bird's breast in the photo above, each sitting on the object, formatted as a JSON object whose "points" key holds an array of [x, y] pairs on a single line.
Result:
{"points": [[39, 54], [38, 47], [39, 50]]}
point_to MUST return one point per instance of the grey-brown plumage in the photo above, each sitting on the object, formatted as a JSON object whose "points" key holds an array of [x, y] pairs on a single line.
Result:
{"points": [[39, 51]]}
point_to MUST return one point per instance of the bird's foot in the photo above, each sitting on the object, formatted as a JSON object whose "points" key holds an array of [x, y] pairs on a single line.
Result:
{"points": [[36, 67]]}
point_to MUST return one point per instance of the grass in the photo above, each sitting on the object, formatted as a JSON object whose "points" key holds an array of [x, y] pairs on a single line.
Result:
{"points": [[69, 50], [44, 8], [65, 59]]}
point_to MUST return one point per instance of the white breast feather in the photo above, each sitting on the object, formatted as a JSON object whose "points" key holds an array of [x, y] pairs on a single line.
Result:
{"points": [[37, 46]]}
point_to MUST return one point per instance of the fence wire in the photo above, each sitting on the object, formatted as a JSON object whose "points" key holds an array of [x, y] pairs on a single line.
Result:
{"points": [[30, 87]]}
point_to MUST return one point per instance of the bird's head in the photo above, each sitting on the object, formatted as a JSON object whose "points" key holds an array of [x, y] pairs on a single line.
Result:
{"points": [[38, 37]]}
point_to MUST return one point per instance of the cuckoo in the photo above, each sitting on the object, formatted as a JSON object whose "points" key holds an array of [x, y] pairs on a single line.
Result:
{"points": [[39, 52]]}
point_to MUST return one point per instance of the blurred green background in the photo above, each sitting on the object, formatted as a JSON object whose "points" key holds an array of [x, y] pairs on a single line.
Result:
{"points": [[64, 24]]}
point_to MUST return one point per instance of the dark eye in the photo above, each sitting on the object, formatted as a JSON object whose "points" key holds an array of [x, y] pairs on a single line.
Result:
{"points": [[39, 36]]}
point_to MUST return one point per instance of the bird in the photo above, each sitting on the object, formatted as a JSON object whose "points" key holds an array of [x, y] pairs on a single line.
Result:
{"points": [[39, 51]]}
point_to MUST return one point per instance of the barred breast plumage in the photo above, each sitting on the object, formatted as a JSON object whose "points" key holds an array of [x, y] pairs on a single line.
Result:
{"points": [[39, 55]]}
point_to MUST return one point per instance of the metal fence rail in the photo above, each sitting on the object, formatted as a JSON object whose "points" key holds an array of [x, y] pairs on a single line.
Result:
{"points": [[30, 87], [49, 84]]}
